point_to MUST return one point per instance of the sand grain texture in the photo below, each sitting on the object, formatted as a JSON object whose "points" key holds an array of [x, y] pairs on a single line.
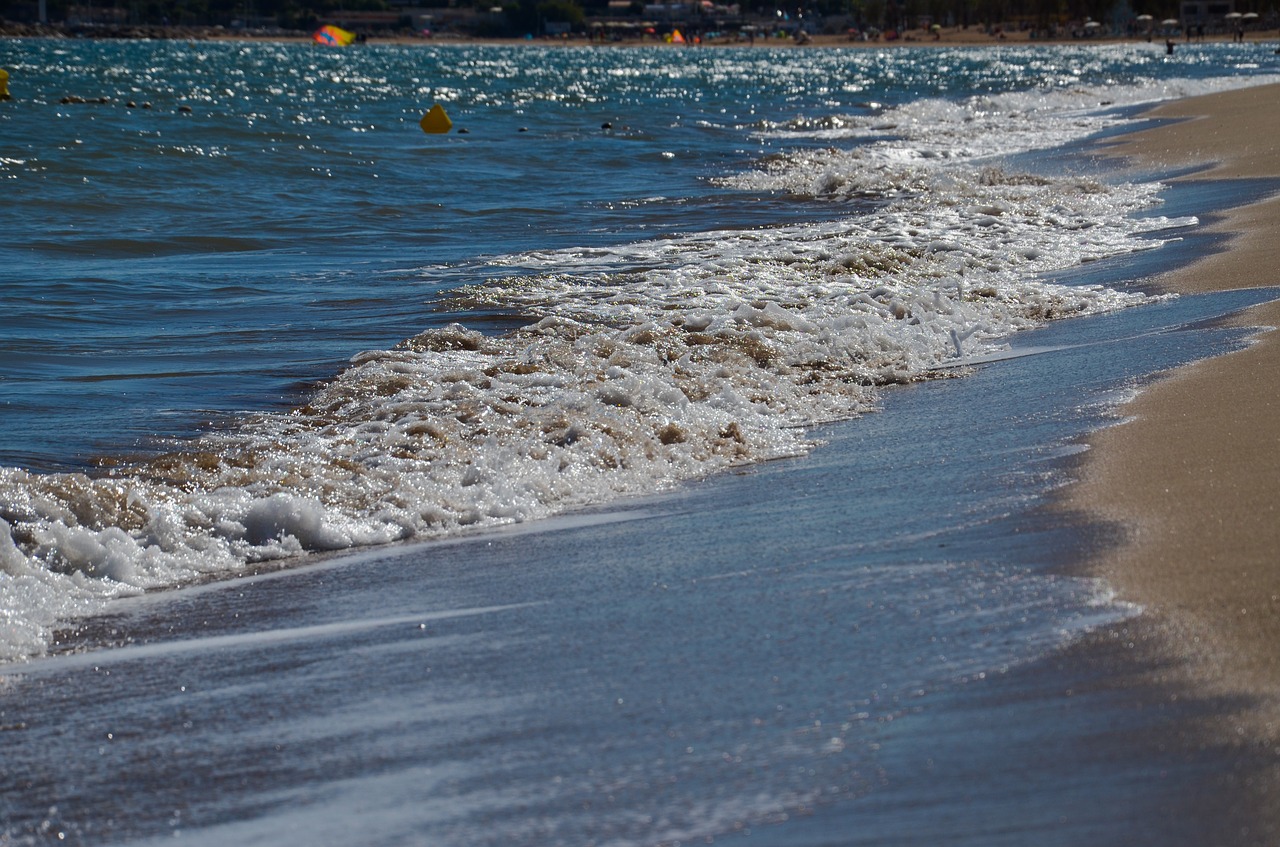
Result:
{"points": [[1194, 476]]}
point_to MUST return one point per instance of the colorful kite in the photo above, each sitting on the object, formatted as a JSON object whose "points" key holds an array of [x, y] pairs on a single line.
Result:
{"points": [[333, 36]]}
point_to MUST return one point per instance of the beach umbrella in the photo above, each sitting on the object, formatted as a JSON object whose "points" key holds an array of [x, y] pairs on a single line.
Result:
{"points": [[333, 36], [1144, 18], [1232, 16], [1250, 16], [1168, 22]]}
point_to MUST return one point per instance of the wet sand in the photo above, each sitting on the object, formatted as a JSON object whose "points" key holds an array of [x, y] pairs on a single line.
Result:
{"points": [[1192, 479]]}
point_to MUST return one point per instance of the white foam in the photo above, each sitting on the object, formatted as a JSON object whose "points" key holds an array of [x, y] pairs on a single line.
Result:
{"points": [[251, 640], [901, 149], [719, 352]]}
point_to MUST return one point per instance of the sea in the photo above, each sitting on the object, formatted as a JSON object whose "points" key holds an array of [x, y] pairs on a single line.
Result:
{"points": [[662, 455]]}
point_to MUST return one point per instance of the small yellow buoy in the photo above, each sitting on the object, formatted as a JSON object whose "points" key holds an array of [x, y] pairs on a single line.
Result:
{"points": [[4, 84], [435, 120]]}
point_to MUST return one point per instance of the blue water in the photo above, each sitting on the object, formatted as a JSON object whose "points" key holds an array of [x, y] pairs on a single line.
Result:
{"points": [[833, 650], [161, 270], [286, 323], [161, 266]]}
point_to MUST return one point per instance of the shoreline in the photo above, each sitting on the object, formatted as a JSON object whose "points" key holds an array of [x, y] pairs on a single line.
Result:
{"points": [[1192, 476], [956, 36], [738, 619]]}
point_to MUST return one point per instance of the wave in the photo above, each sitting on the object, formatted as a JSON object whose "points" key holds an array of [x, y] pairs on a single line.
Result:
{"points": [[635, 368]]}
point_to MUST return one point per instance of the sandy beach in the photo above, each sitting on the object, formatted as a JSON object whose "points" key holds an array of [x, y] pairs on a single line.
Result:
{"points": [[1193, 476], [869, 642], [976, 35]]}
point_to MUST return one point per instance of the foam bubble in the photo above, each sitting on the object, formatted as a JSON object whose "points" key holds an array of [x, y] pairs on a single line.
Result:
{"points": [[637, 367]]}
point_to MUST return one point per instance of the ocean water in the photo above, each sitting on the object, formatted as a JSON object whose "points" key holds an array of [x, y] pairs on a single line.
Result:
{"points": [[868, 644], [258, 320]]}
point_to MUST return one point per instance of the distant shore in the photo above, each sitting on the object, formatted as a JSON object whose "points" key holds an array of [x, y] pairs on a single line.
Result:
{"points": [[1193, 478], [972, 36]]}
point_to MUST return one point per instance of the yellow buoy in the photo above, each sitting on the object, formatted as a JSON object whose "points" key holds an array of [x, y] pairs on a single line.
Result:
{"points": [[4, 84], [435, 120]]}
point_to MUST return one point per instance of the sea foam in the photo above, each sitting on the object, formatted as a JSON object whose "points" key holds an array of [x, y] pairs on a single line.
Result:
{"points": [[637, 367]]}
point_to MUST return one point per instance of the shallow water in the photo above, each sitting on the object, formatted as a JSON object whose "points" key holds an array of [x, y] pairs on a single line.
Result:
{"points": [[164, 270], [850, 647], [187, 293], [287, 324]]}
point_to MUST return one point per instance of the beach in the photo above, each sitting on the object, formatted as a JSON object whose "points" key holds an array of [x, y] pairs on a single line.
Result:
{"points": [[385, 500], [1193, 475], [974, 35]]}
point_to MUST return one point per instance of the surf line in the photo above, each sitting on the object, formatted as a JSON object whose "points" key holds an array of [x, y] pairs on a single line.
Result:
{"points": [[242, 640]]}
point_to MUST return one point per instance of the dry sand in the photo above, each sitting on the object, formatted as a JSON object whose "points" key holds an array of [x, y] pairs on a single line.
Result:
{"points": [[951, 37], [955, 36], [971, 36], [1194, 477]]}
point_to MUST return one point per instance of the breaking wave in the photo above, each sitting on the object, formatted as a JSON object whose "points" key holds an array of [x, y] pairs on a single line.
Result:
{"points": [[635, 367]]}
